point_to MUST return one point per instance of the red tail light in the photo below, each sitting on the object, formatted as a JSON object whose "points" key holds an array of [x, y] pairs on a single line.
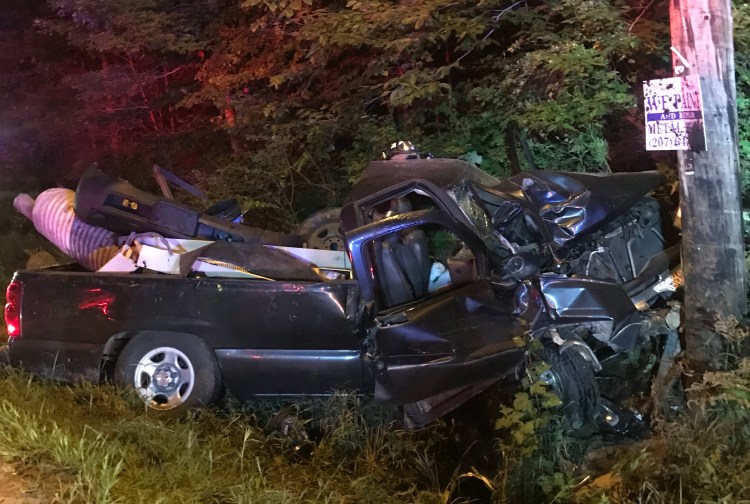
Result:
{"points": [[13, 309]]}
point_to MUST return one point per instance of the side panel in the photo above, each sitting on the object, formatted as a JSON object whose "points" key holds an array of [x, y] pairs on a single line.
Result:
{"points": [[67, 318], [276, 373]]}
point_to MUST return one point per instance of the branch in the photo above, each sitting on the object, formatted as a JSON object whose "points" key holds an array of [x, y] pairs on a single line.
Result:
{"points": [[641, 15], [167, 74], [505, 10], [495, 18]]}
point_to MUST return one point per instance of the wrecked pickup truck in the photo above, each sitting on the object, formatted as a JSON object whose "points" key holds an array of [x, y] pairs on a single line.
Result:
{"points": [[450, 269]]}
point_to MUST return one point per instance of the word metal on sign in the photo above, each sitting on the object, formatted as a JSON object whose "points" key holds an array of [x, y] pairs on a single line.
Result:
{"points": [[674, 114]]}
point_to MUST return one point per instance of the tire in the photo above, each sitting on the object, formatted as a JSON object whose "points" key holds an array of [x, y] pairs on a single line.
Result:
{"points": [[226, 210], [184, 363], [321, 230], [571, 378]]}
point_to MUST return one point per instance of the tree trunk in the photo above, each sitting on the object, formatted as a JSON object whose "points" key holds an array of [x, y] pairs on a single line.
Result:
{"points": [[713, 248]]}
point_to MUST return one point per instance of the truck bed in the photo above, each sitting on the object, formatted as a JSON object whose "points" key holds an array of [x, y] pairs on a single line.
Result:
{"points": [[73, 321]]}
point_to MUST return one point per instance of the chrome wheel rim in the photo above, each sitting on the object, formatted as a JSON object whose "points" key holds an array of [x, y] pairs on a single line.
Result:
{"points": [[164, 378]]}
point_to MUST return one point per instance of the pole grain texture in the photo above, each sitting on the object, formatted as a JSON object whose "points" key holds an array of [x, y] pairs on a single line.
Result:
{"points": [[710, 198]]}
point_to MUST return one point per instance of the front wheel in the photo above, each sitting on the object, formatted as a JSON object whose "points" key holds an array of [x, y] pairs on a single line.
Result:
{"points": [[571, 378], [172, 373]]}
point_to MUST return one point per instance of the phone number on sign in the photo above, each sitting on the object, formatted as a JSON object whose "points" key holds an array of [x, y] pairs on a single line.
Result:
{"points": [[667, 142]]}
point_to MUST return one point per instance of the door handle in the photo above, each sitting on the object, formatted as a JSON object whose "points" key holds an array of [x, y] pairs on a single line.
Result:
{"points": [[392, 319]]}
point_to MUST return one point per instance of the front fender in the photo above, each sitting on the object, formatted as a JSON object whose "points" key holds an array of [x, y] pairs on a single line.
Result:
{"points": [[584, 300]]}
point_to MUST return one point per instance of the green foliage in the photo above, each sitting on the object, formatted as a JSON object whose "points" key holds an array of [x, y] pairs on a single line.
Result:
{"points": [[291, 98], [584, 151], [537, 453], [700, 456], [269, 185], [125, 68], [451, 76], [560, 77], [102, 450], [132, 28], [33, 128], [736, 337]]}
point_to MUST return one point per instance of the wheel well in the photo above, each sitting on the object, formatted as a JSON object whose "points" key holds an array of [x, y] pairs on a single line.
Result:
{"points": [[116, 343], [110, 353]]}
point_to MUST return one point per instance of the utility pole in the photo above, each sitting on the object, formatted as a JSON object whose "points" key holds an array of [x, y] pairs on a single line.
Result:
{"points": [[710, 198]]}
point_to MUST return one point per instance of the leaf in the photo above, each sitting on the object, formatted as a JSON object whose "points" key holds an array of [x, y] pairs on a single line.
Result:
{"points": [[522, 402]]}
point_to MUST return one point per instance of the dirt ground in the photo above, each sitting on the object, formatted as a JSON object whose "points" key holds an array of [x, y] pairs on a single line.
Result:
{"points": [[14, 489]]}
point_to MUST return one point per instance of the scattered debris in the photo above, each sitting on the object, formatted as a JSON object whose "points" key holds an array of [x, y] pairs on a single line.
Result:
{"points": [[164, 236]]}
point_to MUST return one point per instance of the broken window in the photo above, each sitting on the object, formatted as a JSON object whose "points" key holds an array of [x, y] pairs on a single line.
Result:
{"points": [[419, 262]]}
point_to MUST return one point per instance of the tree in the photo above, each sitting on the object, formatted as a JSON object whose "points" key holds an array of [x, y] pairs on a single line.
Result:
{"points": [[34, 110], [333, 82], [135, 62], [292, 97]]}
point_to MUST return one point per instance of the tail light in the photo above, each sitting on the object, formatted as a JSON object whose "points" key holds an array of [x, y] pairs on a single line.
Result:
{"points": [[13, 309]]}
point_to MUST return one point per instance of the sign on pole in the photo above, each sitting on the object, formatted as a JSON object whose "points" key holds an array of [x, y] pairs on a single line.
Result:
{"points": [[674, 114]]}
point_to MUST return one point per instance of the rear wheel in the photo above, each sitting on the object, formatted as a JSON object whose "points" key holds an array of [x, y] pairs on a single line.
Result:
{"points": [[321, 230], [172, 373]]}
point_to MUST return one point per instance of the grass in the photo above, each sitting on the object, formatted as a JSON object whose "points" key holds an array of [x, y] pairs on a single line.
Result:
{"points": [[700, 457], [93, 444], [101, 448], [96, 445], [697, 456]]}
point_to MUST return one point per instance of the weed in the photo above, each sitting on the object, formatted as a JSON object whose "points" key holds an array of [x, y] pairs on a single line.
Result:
{"points": [[699, 457], [107, 451], [537, 454], [734, 335]]}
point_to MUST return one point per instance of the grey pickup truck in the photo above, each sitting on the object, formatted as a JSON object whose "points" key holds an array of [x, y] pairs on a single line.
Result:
{"points": [[451, 269]]}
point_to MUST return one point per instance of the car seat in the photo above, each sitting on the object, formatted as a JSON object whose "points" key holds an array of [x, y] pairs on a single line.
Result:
{"points": [[404, 262]]}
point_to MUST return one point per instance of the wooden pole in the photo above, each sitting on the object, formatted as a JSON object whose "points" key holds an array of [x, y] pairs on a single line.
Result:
{"points": [[710, 198]]}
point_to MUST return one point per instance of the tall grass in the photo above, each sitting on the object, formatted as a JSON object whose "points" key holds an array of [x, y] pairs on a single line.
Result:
{"points": [[96, 445], [108, 451], [700, 457]]}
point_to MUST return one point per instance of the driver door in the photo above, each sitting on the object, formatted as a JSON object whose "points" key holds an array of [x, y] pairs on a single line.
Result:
{"points": [[439, 323]]}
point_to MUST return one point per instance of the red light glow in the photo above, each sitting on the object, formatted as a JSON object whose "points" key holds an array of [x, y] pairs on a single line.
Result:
{"points": [[98, 300], [12, 309], [12, 330]]}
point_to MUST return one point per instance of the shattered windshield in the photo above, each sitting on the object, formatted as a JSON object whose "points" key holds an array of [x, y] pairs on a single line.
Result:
{"points": [[463, 194]]}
